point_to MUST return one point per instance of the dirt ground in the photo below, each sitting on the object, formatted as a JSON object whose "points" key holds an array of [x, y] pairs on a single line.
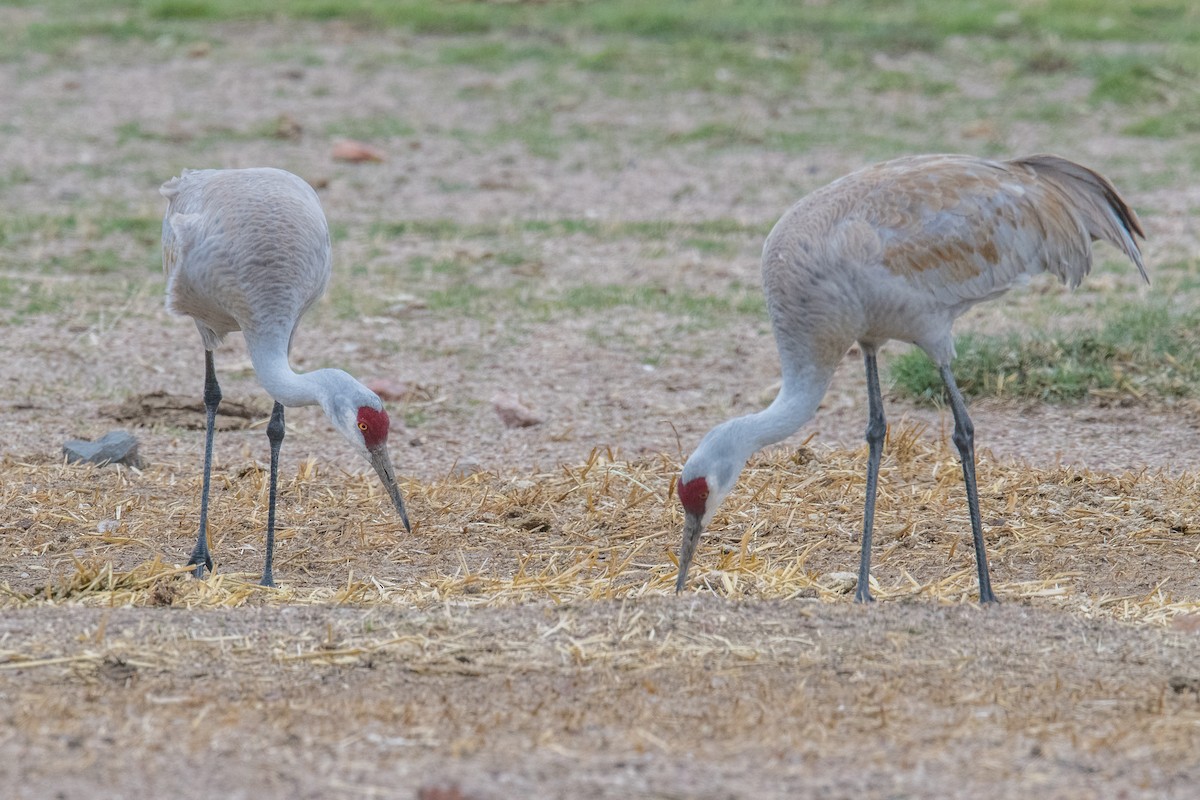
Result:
{"points": [[649, 695], [690, 697]]}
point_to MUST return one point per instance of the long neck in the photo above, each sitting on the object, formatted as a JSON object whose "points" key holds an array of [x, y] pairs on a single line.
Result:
{"points": [[795, 405], [725, 450], [284, 384]]}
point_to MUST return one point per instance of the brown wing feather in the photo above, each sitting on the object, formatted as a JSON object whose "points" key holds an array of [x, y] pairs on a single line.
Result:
{"points": [[899, 249], [967, 229]]}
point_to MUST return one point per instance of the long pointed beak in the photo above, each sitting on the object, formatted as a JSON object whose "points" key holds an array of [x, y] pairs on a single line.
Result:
{"points": [[692, 528], [382, 463]]}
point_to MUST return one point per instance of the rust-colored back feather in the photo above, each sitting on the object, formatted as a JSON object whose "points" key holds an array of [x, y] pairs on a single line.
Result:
{"points": [[898, 250]]}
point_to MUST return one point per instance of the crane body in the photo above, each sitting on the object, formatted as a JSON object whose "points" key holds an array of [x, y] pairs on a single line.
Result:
{"points": [[249, 250], [898, 251]]}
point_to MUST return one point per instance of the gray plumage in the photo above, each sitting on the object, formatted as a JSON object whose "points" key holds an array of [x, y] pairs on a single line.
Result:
{"points": [[248, 250], [899, 250]]}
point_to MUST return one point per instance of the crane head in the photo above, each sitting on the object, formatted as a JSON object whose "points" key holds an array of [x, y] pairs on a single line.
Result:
{"points": [[370, 432], [707, 478], [694, 496]]}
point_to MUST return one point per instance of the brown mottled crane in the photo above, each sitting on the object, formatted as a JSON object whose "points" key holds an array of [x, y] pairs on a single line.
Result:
{"points": [[248, 250], [899, 250]]}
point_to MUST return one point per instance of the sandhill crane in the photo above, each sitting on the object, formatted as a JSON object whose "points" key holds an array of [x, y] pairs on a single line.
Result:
{"points": [[899, 250], [248, 250]]}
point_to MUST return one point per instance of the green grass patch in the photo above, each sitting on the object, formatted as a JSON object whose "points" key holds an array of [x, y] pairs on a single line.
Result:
{"points": [[467, 298], [182, 9], [420, 17], [1129, 79], [90, 261], [716, 247], [850, 26], [496, 54], [19, 229], [899, 26], [912, 83], [1169, 125], [145, 230], [1140, 349], [98, 244], [58, 33], [536, 131], [24, 298]]}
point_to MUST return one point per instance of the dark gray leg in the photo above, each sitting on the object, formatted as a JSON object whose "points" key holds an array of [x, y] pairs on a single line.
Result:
{"points": [[964, 440], [275, 436], [876, 431], [201, 557]]}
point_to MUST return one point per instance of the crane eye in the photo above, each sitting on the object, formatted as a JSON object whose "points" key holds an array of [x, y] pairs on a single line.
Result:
{"points": [[362, 426], [704, 494]]}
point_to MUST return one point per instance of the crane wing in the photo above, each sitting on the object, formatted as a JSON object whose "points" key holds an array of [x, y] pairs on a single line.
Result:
{"points": [[179, 233], [178, 229], [966, 230]]}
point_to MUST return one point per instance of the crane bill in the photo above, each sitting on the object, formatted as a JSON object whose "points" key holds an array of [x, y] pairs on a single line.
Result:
{"points": [[382, 463], [692, 528]]}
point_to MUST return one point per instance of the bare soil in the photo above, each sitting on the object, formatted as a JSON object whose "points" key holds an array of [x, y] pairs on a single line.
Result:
{"points": [[667, 697], [654, 696]]}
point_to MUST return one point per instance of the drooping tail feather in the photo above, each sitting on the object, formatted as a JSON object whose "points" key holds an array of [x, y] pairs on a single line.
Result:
{"points": [[1105, 213]]}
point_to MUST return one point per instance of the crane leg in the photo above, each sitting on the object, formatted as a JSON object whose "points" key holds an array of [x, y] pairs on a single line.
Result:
{"points": [[964, 440], [876, 432], [201, 558], [275, 432]]}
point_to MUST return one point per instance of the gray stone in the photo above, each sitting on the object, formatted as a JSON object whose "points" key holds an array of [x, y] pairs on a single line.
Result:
{"points": [[513, 413], [115, 447]]}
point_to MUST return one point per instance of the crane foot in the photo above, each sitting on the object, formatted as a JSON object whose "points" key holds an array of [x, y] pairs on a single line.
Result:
{"points": [[201, 560]]}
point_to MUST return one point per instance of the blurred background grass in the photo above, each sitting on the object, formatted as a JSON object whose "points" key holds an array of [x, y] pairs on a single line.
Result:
{"points": [[867, 80]]}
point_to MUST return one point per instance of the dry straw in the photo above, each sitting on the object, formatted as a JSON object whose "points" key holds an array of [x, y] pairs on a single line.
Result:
{"points": [[1118, 546]]}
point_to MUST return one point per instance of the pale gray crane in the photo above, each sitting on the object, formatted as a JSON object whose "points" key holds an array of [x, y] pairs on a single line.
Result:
{"points": [[899, 250], [248, 250]]}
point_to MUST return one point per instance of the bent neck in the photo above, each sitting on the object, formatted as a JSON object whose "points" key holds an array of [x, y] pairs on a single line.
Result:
{"points": [[724, 451], [287, 386], [796, 404]]}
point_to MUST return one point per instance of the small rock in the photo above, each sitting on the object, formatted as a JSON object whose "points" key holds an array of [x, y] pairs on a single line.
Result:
{"points": [[115, 447], [841, 582], [512, 412], [355, 152], [439, 792]]}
